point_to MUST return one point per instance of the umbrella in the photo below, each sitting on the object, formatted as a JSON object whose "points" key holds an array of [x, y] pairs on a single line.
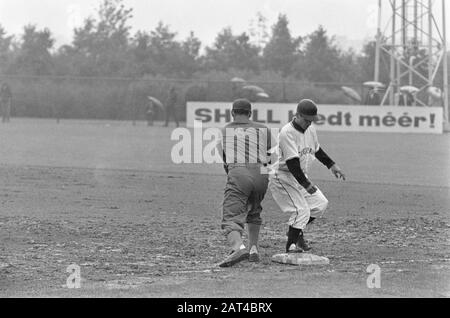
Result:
{"points": [[409, 89], [237, 80], [156, 102], [350, 92], [434, 92], [374, 85], [254, 88], [263, 95]]}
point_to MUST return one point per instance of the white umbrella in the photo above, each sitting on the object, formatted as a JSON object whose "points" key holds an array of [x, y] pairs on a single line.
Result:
{"points": [[374, 84], [156, 102], [350, 92], [237, 80], [409, 89], [263, 95], [254, 88], [434, 92]]}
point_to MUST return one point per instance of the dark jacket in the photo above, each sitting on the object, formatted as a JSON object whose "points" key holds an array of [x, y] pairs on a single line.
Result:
{"points": [[5, 92], [171, 99]]}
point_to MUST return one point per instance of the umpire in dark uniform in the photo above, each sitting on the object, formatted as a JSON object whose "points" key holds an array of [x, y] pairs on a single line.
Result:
{"points": [[245, 145], [171, 106]]}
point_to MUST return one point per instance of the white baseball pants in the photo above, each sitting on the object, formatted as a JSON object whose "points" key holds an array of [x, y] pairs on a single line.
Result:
{"points": [[292, 198]]}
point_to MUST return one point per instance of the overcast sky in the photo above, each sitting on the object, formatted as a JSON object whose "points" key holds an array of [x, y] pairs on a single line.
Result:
{"points": [[354, 19]]}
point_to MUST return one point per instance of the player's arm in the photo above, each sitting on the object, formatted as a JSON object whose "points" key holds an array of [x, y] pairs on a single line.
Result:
{"points": [[225, 165], [221, 150], [271, 145], [296, 170], [322, 156], [289, 149]]}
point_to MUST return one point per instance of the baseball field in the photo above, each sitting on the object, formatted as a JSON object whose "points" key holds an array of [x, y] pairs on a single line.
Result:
{"points": [[106, 197]]}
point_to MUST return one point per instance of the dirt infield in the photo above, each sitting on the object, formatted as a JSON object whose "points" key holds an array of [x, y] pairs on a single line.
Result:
{"points": [[105, 196]]}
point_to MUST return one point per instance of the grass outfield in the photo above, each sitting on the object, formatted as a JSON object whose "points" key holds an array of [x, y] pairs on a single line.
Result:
{"points": [[105, 195], [413, 159]]}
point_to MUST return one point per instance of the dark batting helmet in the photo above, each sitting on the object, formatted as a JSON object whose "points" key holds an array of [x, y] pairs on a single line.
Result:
{"points": [[242, 104], [307, 109]]}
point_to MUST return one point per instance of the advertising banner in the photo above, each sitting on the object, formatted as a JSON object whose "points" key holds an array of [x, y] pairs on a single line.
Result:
{"points": [[399, 119]]}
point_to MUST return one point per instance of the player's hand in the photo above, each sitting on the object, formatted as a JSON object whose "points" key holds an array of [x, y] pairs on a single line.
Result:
{"points": [[311, 189], [337, 172]]}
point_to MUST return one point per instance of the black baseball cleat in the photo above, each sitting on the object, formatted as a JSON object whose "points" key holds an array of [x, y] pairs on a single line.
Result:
{"points": [[254, 255], [301, 243], [292, 237], [294, 249], [254, 258], [235, 257]]}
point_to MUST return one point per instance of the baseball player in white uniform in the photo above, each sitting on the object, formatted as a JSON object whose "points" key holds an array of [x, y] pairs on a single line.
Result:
{"points": [[294, 193]]}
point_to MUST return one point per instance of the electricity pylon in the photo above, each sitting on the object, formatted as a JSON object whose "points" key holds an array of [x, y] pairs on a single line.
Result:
{"points": [[414, 43]]}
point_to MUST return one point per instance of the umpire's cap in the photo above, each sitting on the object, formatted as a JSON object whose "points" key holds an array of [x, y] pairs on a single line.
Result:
{"points": [[307, 109], [242, 104]]}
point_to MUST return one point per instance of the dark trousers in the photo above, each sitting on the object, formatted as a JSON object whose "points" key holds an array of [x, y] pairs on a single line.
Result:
{"points": [[244, 192], [149, 117], [171, 111], [5, 107]]}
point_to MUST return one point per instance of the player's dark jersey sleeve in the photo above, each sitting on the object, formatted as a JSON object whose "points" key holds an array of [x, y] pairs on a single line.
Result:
{"points": [[296, 170], [324, 158]]}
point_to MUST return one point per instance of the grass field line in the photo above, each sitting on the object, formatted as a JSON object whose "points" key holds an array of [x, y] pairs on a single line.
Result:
{"points": [[168, 172]]}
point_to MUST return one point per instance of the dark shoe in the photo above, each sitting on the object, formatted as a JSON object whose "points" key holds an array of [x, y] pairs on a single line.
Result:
{"points": [[254, 258], [294, 249], [235, 257], [292, 237], [301, 243]]}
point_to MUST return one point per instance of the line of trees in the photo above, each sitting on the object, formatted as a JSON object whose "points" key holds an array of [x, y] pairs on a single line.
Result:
{"points": [[108, 72], [104, 46]]}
